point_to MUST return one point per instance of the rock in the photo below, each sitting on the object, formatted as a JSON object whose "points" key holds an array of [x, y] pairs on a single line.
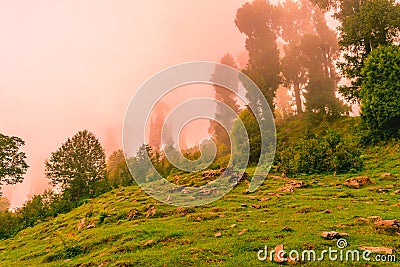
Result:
{"points": [[357, 182], [263, 222], [92, 225], [218, 234], [387, 174], [239, 220], [333, 235], [120, 193], [151, 212], [81, 223], [388, 223], [279, 256], [168, 199], [233, 225], [148, 242], [377, 249], [243, 231], [328, 211], [265, 198], [375, 218], [256, 206], [243, 205], [132, 214]]}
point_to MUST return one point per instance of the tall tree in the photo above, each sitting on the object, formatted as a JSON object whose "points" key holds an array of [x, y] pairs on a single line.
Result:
{"points": [[219, 134], [295, 22], [78, 166], [117, 170], [365, 25], [319, 52], [12, 161], [259, 22]]}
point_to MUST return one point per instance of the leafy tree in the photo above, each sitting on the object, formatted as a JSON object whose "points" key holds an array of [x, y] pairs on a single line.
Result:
{"points": [[365, 25], [140, 165], [218, 132], [259, 22], [117, 170], [380, 91], [295, 22], [253, 132], [4, 204], [12, 161], [78, 166]]}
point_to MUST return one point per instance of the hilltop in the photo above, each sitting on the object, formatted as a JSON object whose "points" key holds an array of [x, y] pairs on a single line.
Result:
{"points": [[126, 227]]}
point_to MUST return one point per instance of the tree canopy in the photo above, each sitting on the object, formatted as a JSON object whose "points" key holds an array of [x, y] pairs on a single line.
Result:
{"points": [[78, 165], [12, 161]]}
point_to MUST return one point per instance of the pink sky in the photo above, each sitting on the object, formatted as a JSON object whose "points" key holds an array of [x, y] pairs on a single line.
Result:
{"points": [[72, 65]]}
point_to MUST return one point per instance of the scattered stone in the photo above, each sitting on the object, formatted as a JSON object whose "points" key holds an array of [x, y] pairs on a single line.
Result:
{"points": [[387, 174], [265, 198], [243, 205], [357, 182], [263, 222], [239, 220], [218, 234], [151, 212], [333, 235], [340, 207], [233, 225], [92, 225], [198, 219], [377, 249], [279, 256], [287, 229], [168, 199], [388, 223], [120, 193], [243, 231], [256, 206], [81, 223], [132, 214], [148, 242], [375, 218], [395, 192], [250, 197], [328, 211]]}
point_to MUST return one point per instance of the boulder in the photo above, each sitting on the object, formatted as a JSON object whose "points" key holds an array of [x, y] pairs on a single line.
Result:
{"points": [[357, 182]]}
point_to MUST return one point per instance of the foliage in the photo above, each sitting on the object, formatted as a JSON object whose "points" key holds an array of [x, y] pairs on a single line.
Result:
{"points": [[218, 132], [4, 204], [259, 22], [117, 170], [78, 166], [12, 161], [324, 153], [253, 135], [380, 92], [365, 25]]}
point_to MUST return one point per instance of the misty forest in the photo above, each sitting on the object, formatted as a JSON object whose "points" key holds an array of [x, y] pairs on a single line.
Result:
{"points": [[330, 72]]}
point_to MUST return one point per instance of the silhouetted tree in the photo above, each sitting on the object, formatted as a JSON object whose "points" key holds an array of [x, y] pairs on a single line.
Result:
{"points": [[219, 134], [259, 22], [117, 170], [78, 166], [12, 161]]}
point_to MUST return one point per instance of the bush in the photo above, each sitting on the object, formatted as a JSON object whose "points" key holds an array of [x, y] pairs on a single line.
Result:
{"points": [[326, 153], [380, 94]]}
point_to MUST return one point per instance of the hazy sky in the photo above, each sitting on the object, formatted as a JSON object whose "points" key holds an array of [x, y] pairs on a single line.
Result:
{"points": [[72, 65]]}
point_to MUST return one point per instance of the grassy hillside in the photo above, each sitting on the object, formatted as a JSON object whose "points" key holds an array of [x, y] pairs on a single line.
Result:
{"points": [[126, 227]]}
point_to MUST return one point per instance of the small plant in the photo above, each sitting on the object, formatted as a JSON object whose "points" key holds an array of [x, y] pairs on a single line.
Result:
{"points": [[102, 217]]}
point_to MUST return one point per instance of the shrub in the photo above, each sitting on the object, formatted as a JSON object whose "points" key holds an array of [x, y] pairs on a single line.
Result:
{"points": [[326, 153]]}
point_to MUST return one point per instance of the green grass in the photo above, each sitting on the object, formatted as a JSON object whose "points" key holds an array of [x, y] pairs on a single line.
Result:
{"points": [[173, 236]]}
